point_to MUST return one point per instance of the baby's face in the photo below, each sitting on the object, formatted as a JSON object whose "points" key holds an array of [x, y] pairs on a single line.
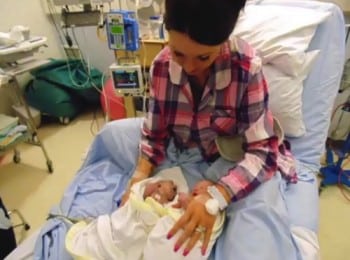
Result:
{"points": [[162, 191]]}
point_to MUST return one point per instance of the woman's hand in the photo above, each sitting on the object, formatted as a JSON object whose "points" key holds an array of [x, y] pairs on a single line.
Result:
{"points": [[136, 177], [183, 200], [196, 223]]}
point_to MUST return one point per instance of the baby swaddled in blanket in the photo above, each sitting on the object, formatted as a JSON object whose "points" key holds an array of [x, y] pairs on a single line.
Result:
{"points": [[138, 230]]}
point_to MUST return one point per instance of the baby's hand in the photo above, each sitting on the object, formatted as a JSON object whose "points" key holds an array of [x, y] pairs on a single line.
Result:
{"points": [[183, 200]]}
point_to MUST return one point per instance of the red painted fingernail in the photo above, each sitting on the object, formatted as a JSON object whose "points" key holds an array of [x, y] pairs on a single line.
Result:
{"points": [[169, 236], [204, 251], [186, 251], [176, 248]]}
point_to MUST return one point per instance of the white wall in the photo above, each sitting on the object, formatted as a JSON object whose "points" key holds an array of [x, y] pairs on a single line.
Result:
{"points": [[28, 13], [35, 15]]}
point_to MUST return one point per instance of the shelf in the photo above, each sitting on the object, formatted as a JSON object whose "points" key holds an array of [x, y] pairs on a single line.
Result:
{"points": [[24, 137], [25, 67]]}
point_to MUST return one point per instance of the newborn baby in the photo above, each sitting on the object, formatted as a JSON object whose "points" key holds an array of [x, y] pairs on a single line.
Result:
{"points": [[185, 198], [163, 191], [138, 229]]}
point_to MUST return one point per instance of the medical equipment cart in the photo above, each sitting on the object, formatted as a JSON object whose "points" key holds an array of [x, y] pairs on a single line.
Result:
{"points": [[15, 61]]}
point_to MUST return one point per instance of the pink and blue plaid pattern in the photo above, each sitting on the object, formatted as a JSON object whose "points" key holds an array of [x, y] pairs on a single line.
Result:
{"points": [[234, 101]]}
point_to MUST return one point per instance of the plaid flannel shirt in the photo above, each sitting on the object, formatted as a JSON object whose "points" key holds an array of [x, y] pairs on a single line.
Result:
{"points": [[234, 101]]}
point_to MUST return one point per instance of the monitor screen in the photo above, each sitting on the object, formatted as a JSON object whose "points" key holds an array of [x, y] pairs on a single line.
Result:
{"points": [[126, 79]]}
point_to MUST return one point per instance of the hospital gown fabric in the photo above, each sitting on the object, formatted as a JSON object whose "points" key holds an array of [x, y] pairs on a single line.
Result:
{"points": [[137, 230], [258, 223]]}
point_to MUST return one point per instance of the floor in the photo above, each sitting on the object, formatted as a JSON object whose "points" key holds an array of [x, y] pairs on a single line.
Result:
{"points": [[29, 188]]}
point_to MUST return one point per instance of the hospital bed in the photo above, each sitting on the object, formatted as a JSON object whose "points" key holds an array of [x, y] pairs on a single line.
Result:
{"points": [[96, 188]]}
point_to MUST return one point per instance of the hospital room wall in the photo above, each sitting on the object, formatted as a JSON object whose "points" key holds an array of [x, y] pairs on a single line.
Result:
{"points": [[29, 13], [35, 15], [95, 49]]}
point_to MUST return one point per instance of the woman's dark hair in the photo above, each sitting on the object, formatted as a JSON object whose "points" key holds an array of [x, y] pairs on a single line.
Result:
{"points": [[208, 22]]}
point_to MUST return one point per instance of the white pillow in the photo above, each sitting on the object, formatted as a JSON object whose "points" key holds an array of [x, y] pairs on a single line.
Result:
{"points": [[280, 34], [286, 95]]}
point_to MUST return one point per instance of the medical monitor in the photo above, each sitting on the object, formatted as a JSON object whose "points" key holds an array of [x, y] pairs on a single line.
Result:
{"points": [[127, 79]]}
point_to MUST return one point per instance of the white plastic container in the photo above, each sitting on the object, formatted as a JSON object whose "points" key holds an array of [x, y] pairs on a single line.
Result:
{"points": [[156, 27]]}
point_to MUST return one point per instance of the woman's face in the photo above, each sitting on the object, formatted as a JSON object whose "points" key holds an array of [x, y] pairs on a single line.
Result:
{"points": [[193, 57]]}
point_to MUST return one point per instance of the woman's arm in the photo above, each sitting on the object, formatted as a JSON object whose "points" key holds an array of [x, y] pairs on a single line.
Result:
{"points": [[143, 170], [154, 130], [260, 146]]}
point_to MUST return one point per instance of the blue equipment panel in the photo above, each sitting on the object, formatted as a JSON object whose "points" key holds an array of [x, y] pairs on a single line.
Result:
{"points": [[122, 31]]}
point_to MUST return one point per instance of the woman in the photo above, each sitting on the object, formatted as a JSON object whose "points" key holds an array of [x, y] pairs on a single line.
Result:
{"points": [[202, 87]]}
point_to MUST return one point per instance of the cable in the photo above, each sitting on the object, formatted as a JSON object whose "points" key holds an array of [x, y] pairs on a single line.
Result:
{"points": [[52, 10], [94, 119], [89, 79], [78, 45], [101, 92], [88, 56], [82, 58], [68, 39]]}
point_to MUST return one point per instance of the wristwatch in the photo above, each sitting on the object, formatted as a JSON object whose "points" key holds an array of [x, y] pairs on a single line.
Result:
{"points": [[217, 201]]}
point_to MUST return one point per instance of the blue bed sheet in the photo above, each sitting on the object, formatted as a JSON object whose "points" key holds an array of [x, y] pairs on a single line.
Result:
{"points": [[99, 185]]}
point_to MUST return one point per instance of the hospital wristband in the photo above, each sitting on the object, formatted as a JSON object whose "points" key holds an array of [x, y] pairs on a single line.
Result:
{"points": [[216, 194]]}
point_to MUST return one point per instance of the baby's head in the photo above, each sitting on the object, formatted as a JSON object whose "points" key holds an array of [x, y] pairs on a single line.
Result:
{"points": [[163, 191], [185, 198]]}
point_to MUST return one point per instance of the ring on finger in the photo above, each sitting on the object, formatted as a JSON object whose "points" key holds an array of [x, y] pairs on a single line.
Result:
{"points": [[200, 229]]}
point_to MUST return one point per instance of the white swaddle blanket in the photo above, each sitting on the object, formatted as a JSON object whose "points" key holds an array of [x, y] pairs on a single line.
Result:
{"points": [[137, 230]]}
